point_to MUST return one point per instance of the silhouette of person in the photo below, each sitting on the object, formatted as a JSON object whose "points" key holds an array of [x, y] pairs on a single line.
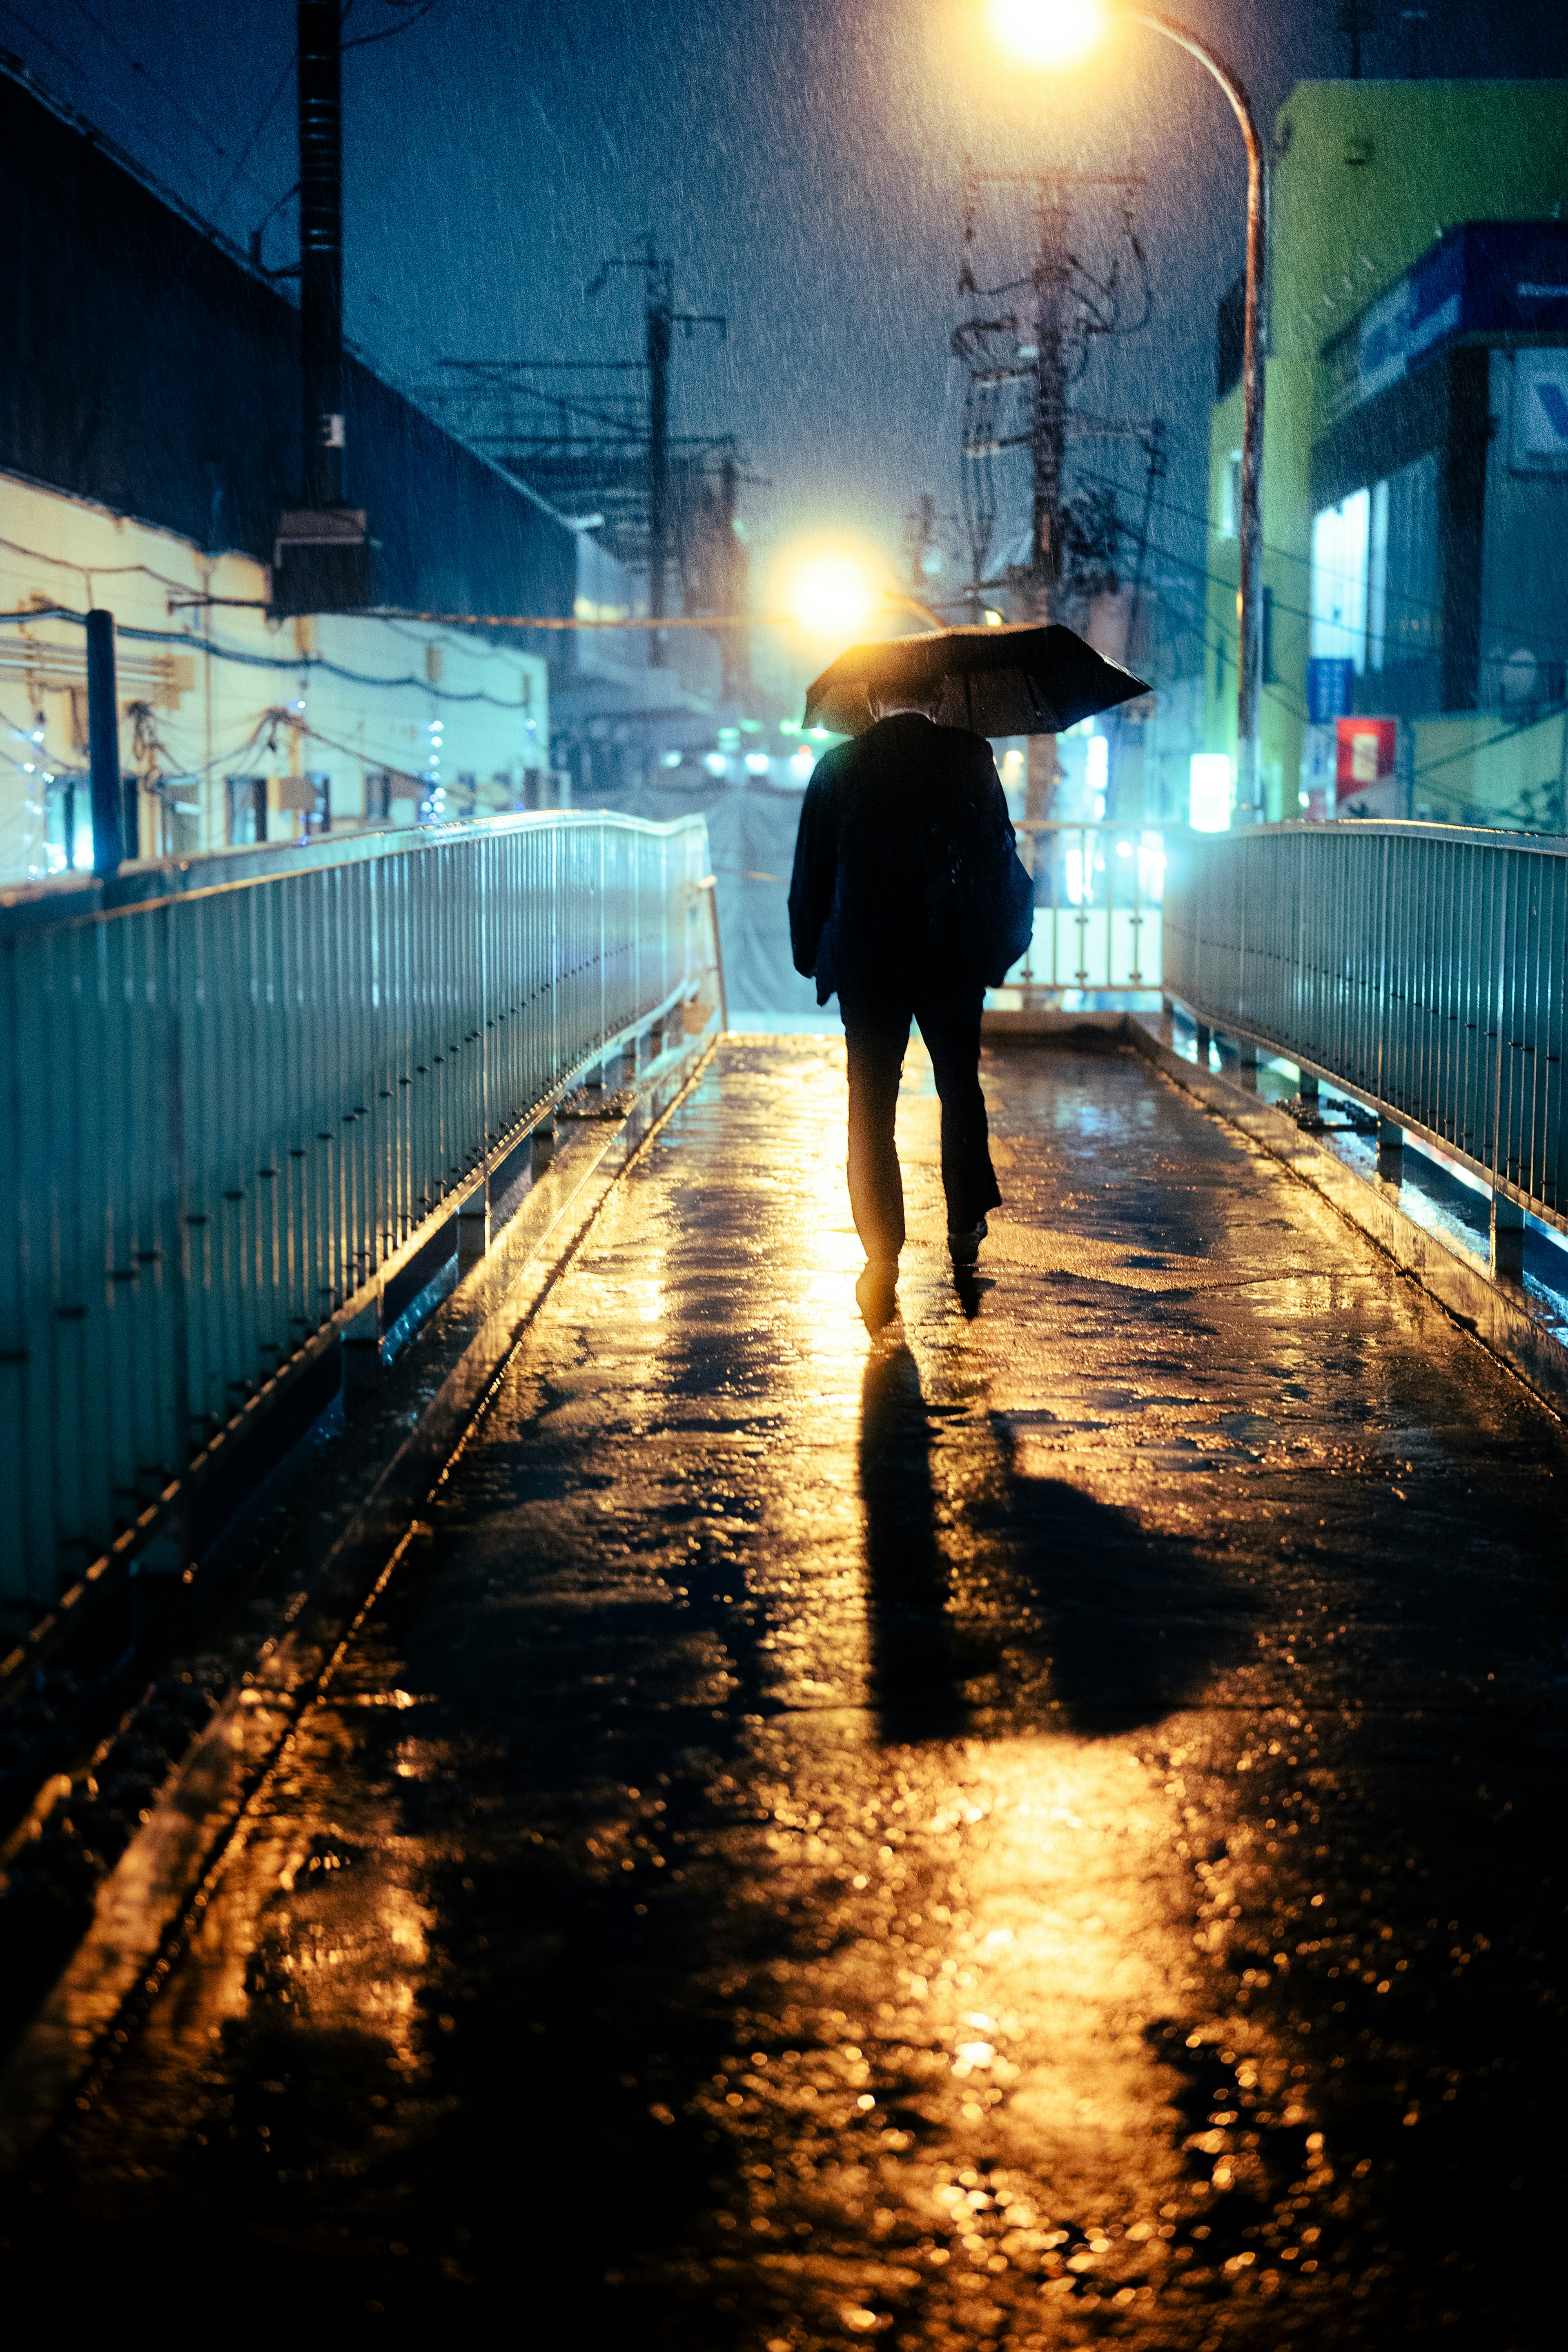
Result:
{"points": [[908, 900]]}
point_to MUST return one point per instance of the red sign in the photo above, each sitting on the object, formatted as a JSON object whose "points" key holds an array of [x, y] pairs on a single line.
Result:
{"points": [[1366, 755]]}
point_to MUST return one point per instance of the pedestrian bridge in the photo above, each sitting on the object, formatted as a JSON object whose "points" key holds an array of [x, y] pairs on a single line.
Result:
{"points": [[1024, 1828]]}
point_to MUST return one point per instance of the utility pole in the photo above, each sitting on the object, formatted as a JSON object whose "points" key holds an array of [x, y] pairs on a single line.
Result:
{"points": [[1068, 303], [660, 332], [1052, 278], [660, 321], [1154, 451], [1355, 18], [734, 645], [1413, 19], [322, 555], [321, 252]]}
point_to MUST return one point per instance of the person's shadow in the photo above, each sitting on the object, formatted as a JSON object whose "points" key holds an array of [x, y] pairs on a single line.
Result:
{"points": [[914, 1671], [1081, 1616], [1133, 1622]]}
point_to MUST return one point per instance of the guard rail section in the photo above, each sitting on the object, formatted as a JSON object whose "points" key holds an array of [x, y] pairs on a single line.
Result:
{"points": [[1423, 968], [229, 1115]]}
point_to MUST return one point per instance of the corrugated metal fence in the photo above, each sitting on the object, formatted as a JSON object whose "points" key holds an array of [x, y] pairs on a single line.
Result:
{"points": [[1423, 966], [226, 1114]]}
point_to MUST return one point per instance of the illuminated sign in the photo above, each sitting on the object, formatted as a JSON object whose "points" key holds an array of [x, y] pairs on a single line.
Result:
{"points": [[1209, 791], [1541, 410], [1366, 749], [1481, 277]]}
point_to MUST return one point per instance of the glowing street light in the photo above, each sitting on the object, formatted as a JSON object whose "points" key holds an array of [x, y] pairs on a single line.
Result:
{"points": [[1057, 32], [833, 597], [1044, 33]]}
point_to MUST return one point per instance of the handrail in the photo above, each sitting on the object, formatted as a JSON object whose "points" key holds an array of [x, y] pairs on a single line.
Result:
{"points": [[73, 893], [227, 1114], [1423, 967]]}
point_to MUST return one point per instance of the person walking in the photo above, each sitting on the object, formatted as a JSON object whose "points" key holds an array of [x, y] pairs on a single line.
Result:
{"points": [[908, 900]]}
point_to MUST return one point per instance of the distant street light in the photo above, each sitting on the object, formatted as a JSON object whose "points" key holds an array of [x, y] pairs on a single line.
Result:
{"points": [[1057, 33], [831, 596]]}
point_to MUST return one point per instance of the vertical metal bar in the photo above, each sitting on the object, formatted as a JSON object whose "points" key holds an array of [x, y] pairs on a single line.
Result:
{"points": [[103, 746]]}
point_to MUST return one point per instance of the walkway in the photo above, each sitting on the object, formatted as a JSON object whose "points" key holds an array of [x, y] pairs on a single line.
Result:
{"points": [[1040, 1828]]}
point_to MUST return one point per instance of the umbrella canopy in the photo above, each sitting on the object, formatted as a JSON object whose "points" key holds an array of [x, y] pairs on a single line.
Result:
{"points": [[1020, 680]]}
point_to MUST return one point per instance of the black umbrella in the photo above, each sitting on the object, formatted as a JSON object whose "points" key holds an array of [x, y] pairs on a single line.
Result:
{"points": [[1015, 680]]}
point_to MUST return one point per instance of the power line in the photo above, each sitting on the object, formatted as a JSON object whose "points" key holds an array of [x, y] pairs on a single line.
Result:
{"points": [[136, 66], [1297, 612], [188, 641], [421, 8]]}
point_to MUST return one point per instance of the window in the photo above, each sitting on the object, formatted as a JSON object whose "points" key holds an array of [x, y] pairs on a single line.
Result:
{"points": [[244, 810], [1340, 555], [1374, 591], [1412, 618], [378, 796]]}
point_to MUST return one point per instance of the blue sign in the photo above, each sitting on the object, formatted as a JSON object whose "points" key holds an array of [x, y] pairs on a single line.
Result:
{"points": [[1482, 278], [1329, 689]]}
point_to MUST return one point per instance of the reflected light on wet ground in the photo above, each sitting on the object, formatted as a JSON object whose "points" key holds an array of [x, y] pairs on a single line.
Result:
{"points": [[1033, 1829]]}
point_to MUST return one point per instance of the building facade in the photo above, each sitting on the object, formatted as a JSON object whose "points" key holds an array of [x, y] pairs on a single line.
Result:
{"points": [[1415, 457], [148, 444]]}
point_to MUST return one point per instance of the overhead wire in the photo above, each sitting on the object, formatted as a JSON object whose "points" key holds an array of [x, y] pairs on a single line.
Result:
{"points": [[167, 95], [189, 642], [1281, 554], [421, 8]]}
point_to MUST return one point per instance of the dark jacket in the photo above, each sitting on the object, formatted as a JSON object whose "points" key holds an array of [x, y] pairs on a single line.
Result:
{"points": [[906, 871]]}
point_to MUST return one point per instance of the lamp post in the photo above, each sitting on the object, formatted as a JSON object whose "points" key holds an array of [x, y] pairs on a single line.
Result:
{"points": [[1054, 32]]}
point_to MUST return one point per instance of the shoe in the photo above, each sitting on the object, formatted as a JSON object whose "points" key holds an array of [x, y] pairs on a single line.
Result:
{"points": [[964, 1248], [877, 1291]]}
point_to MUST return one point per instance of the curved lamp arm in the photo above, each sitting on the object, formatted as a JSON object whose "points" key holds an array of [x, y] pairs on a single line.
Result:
{"points": [[1249, 650]]}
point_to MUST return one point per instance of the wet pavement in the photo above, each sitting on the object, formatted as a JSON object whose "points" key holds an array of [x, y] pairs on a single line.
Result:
{"points": [[1039, 1828]]}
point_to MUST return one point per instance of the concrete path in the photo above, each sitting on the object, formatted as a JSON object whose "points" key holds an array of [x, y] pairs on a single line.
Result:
{"points": [[1039, 1828]]}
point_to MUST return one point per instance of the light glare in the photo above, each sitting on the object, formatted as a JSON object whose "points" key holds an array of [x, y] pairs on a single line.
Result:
{"points": [[831, 596], [1047, 32], [1209, 806]]}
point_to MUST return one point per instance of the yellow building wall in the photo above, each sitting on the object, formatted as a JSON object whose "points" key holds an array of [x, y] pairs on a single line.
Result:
{"points": [[1366, 176], [1472, 769], [203, 717]]}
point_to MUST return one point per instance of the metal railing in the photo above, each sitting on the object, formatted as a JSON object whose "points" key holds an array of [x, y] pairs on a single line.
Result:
{"points": [[1098, 906], [1423, 967], [228, 1115]]}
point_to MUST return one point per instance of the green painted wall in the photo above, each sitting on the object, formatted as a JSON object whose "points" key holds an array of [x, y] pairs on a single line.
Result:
{"points": [[1367, 176]]}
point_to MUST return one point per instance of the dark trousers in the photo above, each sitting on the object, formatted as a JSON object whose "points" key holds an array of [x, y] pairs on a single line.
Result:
{"points": [[877, 1032]]}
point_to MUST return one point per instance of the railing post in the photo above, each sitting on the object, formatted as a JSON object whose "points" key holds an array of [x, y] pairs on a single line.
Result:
{"points": [[1507, 1239], [1390, 1152]]}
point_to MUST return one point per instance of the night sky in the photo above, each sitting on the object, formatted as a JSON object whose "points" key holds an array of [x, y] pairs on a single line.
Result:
{"points": [[801, 160]]}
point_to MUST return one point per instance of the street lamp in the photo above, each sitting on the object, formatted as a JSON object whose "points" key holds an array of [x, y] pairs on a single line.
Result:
{"points": [[1057, 32], [832, 596], [836, 595]]}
